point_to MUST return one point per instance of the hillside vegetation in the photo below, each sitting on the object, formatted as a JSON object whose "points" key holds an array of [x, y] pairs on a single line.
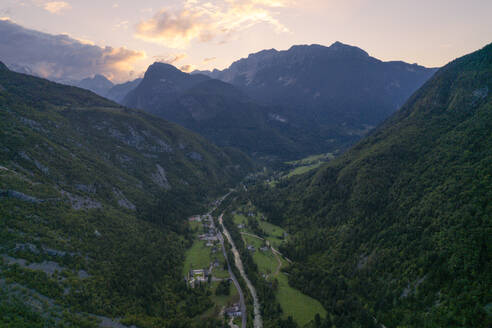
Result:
{"points": [[398, 230], [93, 201]]}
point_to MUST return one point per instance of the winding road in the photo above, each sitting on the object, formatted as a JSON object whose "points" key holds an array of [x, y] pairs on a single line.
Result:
{"points": [[258, 321], [242, 303]]}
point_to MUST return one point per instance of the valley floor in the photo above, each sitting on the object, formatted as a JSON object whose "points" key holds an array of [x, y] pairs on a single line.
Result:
{"points": [[207, 264], [270, 262]]}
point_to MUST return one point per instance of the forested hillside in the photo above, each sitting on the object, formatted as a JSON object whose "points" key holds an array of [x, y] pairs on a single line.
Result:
{"points": [[93, 205], [398, 230]]}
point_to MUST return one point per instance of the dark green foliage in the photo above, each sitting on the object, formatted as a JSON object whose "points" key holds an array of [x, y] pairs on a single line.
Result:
{"points": [[108, 189], [224, 288], [15, 314], [33, 279], [254, 226], [399, 228]]}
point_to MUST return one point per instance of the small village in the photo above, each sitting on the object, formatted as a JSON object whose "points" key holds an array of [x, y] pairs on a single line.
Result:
{"points": [[201, 275], [216, 270]]}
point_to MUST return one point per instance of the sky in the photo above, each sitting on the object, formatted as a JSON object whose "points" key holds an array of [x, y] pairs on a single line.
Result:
{"points": [[72, 39]]}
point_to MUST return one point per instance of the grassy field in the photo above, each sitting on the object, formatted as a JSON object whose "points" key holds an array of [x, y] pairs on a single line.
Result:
{"points": [[197, 257], [266, 261], [303, 169], [304, 165], [312, 159], [195, 225], [223, 300], [271, 229], [301, 307], [220, 301], [250, 240], [220, 271], [239, 219], [274, 233]]}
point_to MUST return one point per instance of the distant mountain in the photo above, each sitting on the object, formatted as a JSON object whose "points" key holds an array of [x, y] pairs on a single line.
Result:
{"points": [[98, 84], [222, 113], [340, 85], [160, 89], [285, 104], [119, 91], [93, 205], [397, 231], [103, 87]]}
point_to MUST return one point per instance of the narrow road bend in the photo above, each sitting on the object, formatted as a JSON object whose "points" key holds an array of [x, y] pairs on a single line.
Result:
{"points": [[258, 321]]}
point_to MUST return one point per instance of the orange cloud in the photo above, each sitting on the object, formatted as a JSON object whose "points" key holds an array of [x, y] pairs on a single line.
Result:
{"points": [[174, 29], [187, 68], [207, 21], [170, 59], [116, 63], [55, 7]]}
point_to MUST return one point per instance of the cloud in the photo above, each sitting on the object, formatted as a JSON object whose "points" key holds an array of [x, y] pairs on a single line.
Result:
{"points": [[55, 7], [121, 25], [61, 57], [205, 21], [187, 68], [208, 60], [170, 59]]}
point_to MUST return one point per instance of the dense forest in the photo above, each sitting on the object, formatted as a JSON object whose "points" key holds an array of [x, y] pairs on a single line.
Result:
{"points": [[397, 231]]}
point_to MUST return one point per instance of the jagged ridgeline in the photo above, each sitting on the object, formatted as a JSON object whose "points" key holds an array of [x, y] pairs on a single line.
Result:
{"points": [[282, 104], [93, 200], [398, 230]]}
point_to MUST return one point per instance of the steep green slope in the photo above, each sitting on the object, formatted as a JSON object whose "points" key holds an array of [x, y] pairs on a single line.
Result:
{"points": [[93, 198], [398, 231]]}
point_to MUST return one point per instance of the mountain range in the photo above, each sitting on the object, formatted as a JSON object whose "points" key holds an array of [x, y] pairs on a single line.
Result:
{"points": [[220, 112], [100, 85], [339, 84], [309, 99]]}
